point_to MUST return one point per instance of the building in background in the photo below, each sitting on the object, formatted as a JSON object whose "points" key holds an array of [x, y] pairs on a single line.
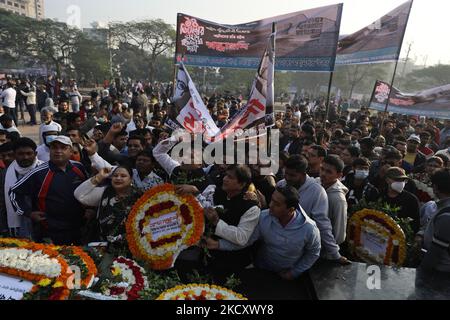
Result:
{"points": [[98, 32], [29, 8]]}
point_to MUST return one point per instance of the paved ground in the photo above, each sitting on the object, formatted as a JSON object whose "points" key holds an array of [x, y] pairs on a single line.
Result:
{"points": [[31, 132]]}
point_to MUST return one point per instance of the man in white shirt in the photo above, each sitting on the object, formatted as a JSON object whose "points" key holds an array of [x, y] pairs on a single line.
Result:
{"points": [[47, 120], [9, 101]]}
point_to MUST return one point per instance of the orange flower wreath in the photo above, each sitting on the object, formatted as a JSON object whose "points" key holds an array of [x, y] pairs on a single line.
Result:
{"points": [[157, 203]]}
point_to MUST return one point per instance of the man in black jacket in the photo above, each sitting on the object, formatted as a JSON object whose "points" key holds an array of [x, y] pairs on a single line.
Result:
{"points": [[396, 196], [296, 143], [46, 195]]}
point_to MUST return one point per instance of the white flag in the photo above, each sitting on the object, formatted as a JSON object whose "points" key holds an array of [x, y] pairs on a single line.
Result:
{"points": [[194, 115]]}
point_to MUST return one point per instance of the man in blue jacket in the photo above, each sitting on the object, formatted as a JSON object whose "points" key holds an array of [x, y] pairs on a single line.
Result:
{"points": [[290, 240], [46, 195]]}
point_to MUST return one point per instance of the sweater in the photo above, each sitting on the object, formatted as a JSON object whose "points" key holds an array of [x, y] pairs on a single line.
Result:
{"points": [[314, 200], [295, 247], [337, 210], [31, 97]]}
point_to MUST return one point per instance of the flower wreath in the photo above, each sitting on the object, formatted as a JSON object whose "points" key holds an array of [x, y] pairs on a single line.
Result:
{"points": [[381, 228], [13, 243], [37, 263], [161, 224], [200, 292], [129, 280], [76, 256]]}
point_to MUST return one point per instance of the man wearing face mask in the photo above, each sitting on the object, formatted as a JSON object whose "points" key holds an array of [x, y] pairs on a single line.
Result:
{"points": [[49, 133], [396, 196], [358, 183]]}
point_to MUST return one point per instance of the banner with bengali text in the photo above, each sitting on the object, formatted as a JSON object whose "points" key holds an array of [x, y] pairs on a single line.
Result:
{"points": [[306, 41]]}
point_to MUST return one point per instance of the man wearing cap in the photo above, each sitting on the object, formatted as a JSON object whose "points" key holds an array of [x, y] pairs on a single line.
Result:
{"points": [[396, 196], [413, 156], [46, 195], [48, 134]]}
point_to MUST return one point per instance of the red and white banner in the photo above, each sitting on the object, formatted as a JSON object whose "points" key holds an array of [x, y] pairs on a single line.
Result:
{"points": [[194, 115], [261, 100]]}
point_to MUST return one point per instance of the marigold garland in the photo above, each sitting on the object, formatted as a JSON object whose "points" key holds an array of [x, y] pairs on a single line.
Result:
{"points": [[156, 202], [199, 292], [89, 264], [12, 242], [385, 228]]}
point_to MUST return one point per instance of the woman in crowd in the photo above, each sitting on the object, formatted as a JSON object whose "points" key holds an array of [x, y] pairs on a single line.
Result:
{"points": [[114, 200]]}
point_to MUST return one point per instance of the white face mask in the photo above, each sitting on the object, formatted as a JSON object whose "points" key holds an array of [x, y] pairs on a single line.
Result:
{"points": [[398, 186], [50, 139], [361, 174]]}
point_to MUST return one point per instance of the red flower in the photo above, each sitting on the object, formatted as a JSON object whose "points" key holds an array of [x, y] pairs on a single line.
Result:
{"points": [[115, 291], [186, 214]]}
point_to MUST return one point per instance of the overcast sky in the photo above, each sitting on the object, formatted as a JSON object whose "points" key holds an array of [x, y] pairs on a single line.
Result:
{"points": [[428, 27]]}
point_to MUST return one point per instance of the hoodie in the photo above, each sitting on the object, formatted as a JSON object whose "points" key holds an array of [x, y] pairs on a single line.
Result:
{"points": [[337, 210], [314, 200], [295, 247]]}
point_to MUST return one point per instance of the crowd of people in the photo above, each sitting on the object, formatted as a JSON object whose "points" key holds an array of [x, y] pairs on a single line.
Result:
{"points": [[97, 154]]}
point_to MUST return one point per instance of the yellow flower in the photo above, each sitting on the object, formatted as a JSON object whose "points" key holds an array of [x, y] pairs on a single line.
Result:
{"points": [[44, 282], [115, 271], [58, 284]]}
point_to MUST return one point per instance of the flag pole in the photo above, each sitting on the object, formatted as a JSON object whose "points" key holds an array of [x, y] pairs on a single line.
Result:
{"points": [[272, 102], [328, 98], [175, 64], [395, 70], [391, 86]]}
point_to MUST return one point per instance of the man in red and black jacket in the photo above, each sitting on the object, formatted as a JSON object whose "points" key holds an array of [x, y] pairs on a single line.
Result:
{"points": [[46, 195]]}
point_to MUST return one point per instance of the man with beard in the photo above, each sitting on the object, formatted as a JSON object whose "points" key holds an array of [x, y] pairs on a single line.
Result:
{"points": [[413, 156], [295, 142], [26, 160]]}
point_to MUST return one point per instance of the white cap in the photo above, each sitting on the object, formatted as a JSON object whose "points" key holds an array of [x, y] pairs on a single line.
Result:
{"points": [[414, 137], [63, 139], [50, 127]]}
